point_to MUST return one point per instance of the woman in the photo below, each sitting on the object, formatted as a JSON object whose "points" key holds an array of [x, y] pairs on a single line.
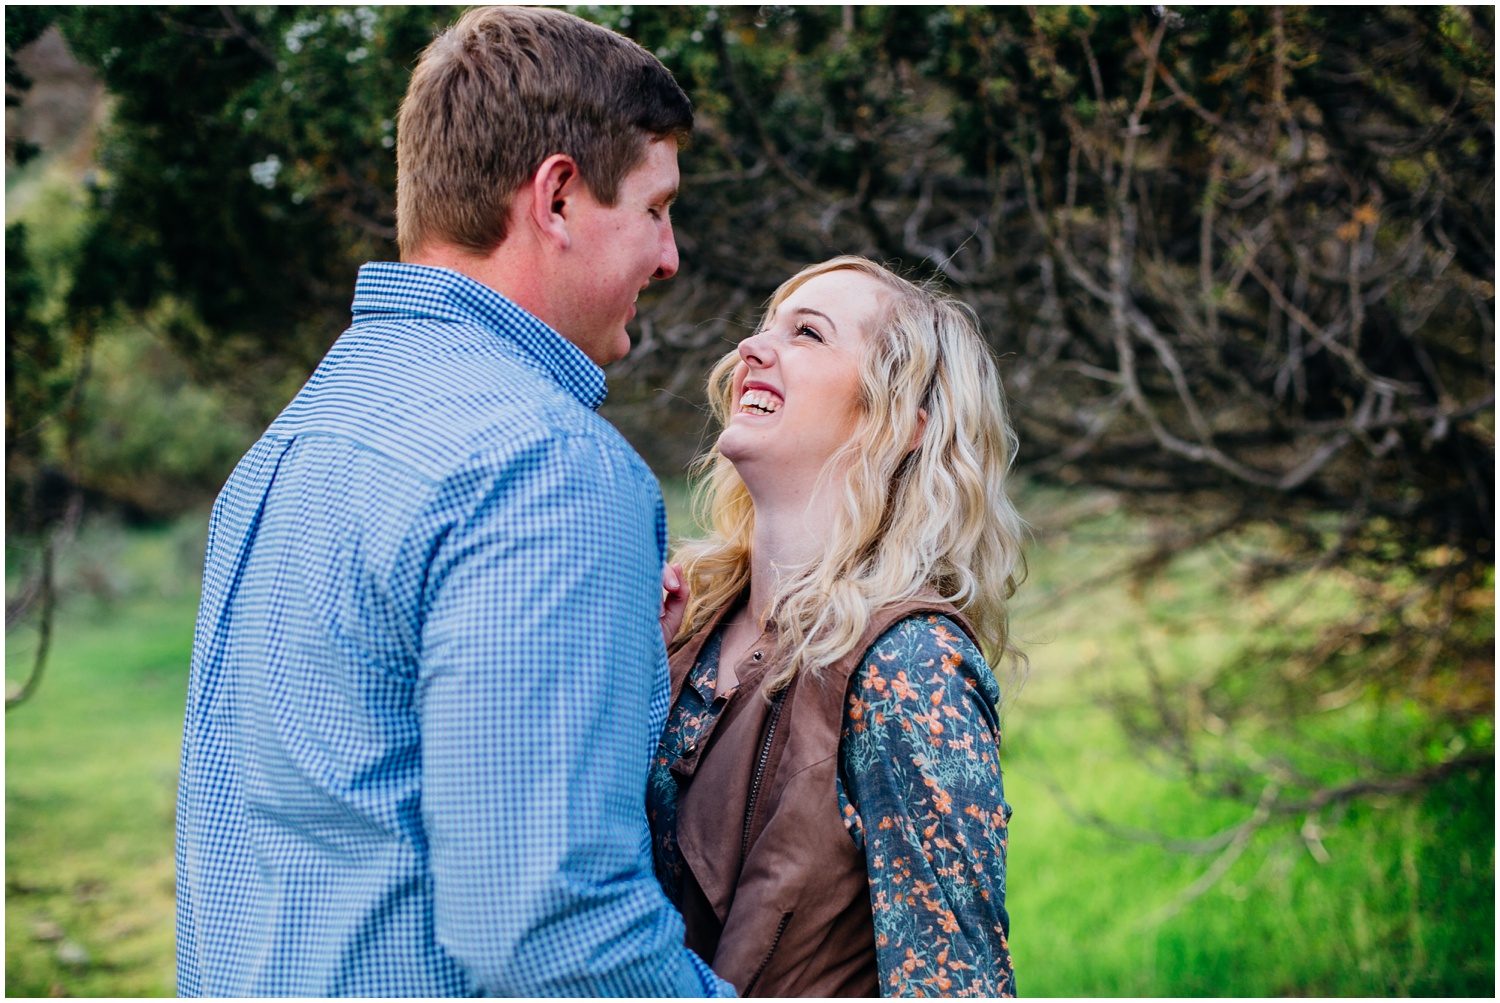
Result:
{"points": [[826, 802]]}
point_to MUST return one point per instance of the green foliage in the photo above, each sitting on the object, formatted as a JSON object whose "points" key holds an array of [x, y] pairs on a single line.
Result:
{"points": [[911, 134], [1239, 265], [209, 288], [41, 373], [249, 171], [152, 439], [22, 26], [32, 355], [1376, 897], [42, 349], [104, 405]]}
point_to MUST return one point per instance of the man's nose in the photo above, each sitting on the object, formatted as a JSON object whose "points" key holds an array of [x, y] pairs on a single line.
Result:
{"points": [[668, 266]]}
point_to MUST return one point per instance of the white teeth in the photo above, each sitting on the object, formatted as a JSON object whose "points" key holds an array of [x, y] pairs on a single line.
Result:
{"points": [[760, 402]]}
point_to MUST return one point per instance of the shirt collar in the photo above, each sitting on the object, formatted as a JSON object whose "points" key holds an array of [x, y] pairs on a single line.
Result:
{"points": [[395, 288]]}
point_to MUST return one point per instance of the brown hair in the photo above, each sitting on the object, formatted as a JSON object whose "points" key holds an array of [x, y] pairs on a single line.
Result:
{"points": [[504, 89]]}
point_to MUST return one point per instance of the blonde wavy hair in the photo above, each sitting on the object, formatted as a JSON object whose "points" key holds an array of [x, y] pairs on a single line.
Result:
{"points": [[937, 516]]}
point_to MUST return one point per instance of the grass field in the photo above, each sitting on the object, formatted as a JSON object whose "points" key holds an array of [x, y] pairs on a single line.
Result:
{"points": [[91, 775], [1401, 904]]}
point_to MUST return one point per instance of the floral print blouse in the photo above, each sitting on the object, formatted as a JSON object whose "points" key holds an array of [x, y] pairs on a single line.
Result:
{"points": [[921, 794]]}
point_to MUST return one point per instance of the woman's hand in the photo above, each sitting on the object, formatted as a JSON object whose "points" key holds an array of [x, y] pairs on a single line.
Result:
{"points": [[673, 602]]}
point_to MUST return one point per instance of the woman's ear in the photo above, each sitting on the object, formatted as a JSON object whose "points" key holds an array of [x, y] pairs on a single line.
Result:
{"points": [[916, 439]]}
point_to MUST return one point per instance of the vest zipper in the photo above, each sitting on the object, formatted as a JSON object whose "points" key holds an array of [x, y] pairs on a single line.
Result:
{"points": [[780, 929], [760, 772]]}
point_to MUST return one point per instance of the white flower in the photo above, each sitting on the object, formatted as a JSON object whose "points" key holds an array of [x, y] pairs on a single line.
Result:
{"points": [[264, 173]]}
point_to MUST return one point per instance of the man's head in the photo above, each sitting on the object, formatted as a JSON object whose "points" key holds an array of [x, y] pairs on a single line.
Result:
{"points": [[499, 93]]}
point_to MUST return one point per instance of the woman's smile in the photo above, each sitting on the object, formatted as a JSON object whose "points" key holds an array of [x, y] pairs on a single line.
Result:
{"points": [[799, 375], [757, 399]]}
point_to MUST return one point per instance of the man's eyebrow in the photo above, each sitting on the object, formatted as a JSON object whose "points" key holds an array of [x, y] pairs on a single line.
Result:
{"points": [[666, 197], [817, 313]]}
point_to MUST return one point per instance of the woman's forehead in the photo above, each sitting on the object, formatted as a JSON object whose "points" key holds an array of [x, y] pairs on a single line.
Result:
{"points": [[843, 292]]}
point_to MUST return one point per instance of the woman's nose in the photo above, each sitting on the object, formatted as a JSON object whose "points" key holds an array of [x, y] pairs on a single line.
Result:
{"points": [[757, 352]]}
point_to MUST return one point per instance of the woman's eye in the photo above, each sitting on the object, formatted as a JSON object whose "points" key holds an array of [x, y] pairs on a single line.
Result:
{"points": [[804, 329]]}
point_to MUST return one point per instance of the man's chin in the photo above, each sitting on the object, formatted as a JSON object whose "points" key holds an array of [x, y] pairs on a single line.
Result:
{"points": [[620, 349], [603, 352]]}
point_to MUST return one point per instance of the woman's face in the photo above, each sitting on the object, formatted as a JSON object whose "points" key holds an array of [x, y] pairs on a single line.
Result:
{"points": [[796, 388]]}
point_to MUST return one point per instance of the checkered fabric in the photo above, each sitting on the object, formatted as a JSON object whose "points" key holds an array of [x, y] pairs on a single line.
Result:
{"points": [[428, 679]]}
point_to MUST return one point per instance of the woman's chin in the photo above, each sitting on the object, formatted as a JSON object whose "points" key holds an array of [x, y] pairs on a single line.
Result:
{"points": [[733, 446]]}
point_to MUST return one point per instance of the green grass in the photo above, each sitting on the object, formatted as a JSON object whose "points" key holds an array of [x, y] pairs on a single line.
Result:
{"points": [[1402, 904], [90, 782]]}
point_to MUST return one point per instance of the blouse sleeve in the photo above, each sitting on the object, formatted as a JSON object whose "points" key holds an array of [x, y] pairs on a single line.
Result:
{"points": [[921, 793]]}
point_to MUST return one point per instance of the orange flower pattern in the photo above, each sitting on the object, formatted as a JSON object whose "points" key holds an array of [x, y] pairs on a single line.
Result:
{"points": [[920, 751], [689, 720], [919, 758]]}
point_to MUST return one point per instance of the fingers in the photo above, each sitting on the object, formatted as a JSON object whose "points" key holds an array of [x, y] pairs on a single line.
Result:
{"points": [[674, 600]]}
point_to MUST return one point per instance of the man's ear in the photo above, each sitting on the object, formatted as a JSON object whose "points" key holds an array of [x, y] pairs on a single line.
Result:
{"points": [[551, 195], [916, 439]]}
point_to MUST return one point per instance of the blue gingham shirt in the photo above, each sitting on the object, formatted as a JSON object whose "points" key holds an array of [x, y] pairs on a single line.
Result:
{"points": [[428, 678]]}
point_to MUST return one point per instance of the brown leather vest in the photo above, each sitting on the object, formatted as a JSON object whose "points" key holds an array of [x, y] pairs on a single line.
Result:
{"points": [[778, 897]]}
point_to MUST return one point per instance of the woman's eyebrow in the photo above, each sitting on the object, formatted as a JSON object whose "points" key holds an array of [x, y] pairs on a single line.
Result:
{"points": [[818, 313]]}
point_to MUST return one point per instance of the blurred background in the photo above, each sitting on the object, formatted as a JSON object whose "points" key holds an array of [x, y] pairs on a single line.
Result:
{"points": [[1237, 264]]}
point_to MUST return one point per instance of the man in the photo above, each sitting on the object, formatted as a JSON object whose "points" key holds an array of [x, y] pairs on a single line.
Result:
{"points": [[427, 672]]}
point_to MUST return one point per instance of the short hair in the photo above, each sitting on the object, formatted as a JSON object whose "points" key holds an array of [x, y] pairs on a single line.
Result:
{"points": [[935, 517], [500, 92]]}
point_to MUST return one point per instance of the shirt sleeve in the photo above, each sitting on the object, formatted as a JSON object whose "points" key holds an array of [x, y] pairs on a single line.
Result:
{"points": [[543, 672], [921, 793]]}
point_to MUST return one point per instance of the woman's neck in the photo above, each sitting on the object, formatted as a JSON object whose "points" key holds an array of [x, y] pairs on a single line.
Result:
{"points": [[792, 527]]}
